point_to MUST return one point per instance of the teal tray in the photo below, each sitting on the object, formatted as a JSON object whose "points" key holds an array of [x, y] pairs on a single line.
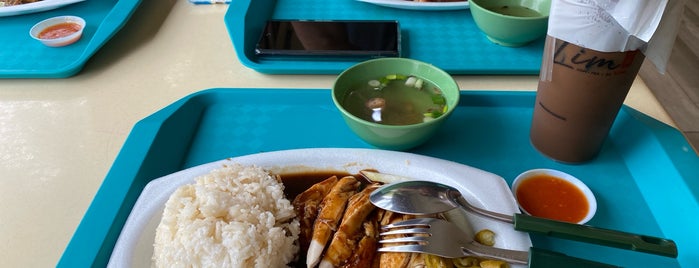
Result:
{"points": [[645, 178], [23, 57], [447, 39]]}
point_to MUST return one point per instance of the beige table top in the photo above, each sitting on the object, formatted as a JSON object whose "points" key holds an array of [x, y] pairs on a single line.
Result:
{"points": [[59, 137]]}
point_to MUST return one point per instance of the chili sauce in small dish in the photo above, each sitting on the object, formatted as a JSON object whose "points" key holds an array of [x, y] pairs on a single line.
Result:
{"points": [[58, 31], [554, 195]]}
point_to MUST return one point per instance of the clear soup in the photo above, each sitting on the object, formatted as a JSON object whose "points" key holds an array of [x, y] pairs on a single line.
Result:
{"points": [[395, 100]]}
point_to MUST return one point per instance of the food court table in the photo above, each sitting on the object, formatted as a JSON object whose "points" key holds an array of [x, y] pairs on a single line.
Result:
{"points": [[59, 137]]}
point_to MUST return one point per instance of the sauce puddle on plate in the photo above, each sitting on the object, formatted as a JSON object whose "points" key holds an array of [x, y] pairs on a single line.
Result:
{"points": [[550, 197]]}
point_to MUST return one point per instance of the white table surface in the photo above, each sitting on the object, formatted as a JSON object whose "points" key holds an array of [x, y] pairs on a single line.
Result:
{"points": [[59, 137]]}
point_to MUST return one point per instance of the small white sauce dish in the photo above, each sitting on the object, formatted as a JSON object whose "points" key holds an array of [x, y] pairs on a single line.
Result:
{"points": [[36, 30], [549, 202]]}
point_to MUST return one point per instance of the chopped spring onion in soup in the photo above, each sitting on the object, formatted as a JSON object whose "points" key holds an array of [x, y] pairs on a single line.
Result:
{"points": [[396, 99]]}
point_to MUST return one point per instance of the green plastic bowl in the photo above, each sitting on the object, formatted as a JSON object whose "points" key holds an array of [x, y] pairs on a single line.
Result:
{"points": [[510, 30], [394, 137]]}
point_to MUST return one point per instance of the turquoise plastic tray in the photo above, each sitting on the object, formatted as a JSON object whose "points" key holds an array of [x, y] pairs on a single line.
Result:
{"points": [[645, 178], [447, 39], [23, 57]]}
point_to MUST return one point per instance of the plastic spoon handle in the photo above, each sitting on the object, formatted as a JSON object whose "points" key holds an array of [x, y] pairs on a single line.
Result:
{"points": [[600, 236], [577, 232]]}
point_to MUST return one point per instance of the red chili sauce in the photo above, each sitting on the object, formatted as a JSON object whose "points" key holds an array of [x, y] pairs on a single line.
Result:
{"points": [[59, 30], [553, 198]]}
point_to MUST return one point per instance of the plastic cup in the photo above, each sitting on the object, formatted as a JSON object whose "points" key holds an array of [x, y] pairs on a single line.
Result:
{"points": [[579, 95]]}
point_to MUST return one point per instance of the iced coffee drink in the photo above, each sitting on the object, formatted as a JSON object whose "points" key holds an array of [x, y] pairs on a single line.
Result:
{"points": [[579, 94]]}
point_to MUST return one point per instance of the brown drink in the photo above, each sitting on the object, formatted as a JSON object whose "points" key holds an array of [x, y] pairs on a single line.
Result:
{"points": [[579, 95]]}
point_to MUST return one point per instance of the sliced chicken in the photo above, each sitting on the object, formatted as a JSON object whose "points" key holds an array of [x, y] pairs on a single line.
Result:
{"points": [[348, 235], [366, 248], [307, 205], [331, 210], [393, 259], [417, 260]]}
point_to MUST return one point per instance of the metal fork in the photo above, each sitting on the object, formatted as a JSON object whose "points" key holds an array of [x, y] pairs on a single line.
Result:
{"points": [[443, 238]]}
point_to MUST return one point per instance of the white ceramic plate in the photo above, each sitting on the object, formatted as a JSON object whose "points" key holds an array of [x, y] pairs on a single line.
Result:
{"points": [[134, 247], [35, 7], [433, 6]]}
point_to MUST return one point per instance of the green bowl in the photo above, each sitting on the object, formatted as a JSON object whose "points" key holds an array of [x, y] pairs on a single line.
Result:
{"points": [[394, 137], [511, 22]]}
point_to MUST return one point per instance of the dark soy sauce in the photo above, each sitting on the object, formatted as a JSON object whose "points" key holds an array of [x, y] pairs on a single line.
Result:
{"points": [[296, 183]]}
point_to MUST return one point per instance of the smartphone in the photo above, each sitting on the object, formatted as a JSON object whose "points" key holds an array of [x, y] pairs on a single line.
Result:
{"points": [[329, 40]]}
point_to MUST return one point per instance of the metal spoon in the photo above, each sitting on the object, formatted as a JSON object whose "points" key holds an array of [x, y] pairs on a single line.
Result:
{"points": [[426, 197]]}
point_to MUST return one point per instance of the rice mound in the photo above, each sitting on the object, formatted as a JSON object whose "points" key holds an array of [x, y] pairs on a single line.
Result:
{"points": [[235, 216]]}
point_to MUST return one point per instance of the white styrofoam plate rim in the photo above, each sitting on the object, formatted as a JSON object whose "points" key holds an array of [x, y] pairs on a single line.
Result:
{"points": [[39, 6]]}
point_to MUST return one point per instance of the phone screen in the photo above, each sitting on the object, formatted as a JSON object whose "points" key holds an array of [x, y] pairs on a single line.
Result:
{"points": [[325, 39]]}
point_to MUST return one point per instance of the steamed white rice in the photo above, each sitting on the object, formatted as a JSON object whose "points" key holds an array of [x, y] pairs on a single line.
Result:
{"points": [[236, 216]]}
